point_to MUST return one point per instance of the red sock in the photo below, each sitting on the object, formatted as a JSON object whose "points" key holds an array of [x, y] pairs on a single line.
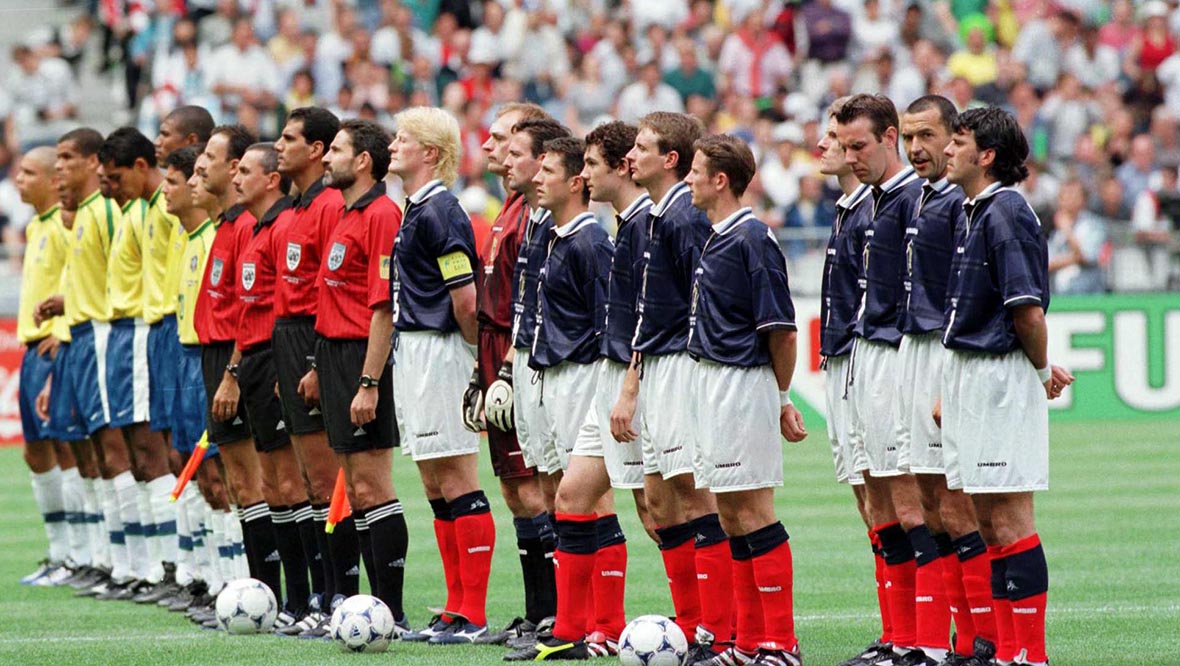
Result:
{"points": [[931, 612], [680, 565], [1006, 634], [900, 585], [590, 598], [610, 579], [575, 573], [775, 578], [977, 573], [882, 594], [748, 604], [476, 539], [448, 550], [1026, 566], [715, 584], [952, 578]]}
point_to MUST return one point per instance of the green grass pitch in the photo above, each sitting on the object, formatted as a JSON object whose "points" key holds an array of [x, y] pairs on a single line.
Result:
{"points": [[1111, 528]]}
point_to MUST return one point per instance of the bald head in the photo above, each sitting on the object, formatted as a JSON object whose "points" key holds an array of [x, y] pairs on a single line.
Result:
{"points": [[36, 179]]}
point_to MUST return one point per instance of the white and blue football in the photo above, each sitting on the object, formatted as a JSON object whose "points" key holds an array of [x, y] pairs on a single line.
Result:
{"points": [[246, 606], [652, 640], [362, 624]]}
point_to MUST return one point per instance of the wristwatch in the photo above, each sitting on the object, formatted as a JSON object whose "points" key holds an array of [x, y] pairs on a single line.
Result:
{"points": [[232, 369], [367, 381]]}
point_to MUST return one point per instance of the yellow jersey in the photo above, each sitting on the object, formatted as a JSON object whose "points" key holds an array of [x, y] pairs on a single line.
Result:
{"points": [[172, 275], [196, 252], [125, 267], [45, 257], [61, 329], [90, 246], [160, 227]]}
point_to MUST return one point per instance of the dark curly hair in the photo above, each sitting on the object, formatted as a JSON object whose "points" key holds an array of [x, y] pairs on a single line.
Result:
{"points": [[996, 129]]}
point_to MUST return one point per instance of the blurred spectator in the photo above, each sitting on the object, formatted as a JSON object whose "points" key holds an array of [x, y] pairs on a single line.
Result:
{"points": [[873, 30], [1042, 36], [1120, 31], [1152, 45], [1070, 111], [753, 60], [1155, 218], [1136, 172], [647, 94], [783, 167], [811, 212], [588, 95], [1092, 62], [1078, 248], [977, 62], [689, 78], [43, 96]]}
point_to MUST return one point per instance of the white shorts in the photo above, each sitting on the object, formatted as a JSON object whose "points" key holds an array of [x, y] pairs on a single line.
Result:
{"points": [[623, 460], [532, 423], [666, 425], [739, 444], [567, 393], [835, 384], [870, 402], [995, 423], [430, 373], [919, 380]]}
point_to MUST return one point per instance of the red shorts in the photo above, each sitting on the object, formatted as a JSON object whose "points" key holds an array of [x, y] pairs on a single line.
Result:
{"points": [[507, 460]]}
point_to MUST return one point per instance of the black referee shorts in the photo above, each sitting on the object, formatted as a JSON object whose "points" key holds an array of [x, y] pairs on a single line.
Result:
{"points": [[256, 378], [214, 358], [293, 343], [340, 365]]}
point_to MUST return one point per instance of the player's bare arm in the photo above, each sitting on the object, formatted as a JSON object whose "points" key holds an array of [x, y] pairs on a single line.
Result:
{"points": [[42, 403], [225, 401], [622, 415], [783, 345], [463, 305], [309, 388], [364, 405], [1033, 333], [53, 306]]}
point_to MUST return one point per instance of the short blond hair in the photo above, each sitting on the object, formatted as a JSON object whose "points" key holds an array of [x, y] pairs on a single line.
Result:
{"points": [[435, 128]]}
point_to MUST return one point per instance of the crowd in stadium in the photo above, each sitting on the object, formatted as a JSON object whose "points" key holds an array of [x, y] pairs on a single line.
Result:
{"points": [[1096, 86]]}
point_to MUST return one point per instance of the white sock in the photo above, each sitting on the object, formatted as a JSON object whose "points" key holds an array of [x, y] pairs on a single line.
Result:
{"points": [[151, 568], [184, 543], [194, 506], [47, 493], [100, 551], [116, 538], [127, 492], [164, 514], [73, 495], [214, 537]]}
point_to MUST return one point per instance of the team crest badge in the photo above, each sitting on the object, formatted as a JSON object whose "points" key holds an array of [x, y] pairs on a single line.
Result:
{"points": [[215, 272], [80, 231], [44, 239], [192, 264], [336, 256], [294, 254], [151, 231], [248, 276]]}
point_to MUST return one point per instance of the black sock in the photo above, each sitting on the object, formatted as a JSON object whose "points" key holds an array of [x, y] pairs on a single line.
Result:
{"points": [[390, 539], [311, 548], [366, 547], [344, 543], [265, 563], [294, 561], [327, 582], [528, 544], [543, 565]]}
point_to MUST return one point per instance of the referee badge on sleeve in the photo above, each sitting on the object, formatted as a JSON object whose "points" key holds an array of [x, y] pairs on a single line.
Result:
{"points": [[385, 267], [336, 256], [248, 276], [294, 254], [215, 272]]}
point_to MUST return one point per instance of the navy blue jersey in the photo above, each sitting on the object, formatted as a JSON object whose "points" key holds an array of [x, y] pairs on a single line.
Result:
{"points": [[892, 205], [842, 266], [434, 252], [571, 294], [626, 273], [533, 246], [677, 231], [1001, 261], [740, 293], [930, 242]]}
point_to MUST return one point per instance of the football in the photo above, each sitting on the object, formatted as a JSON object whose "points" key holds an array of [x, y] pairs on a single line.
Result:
{"points": [[652, 640], [246, 606], [362, 624]]}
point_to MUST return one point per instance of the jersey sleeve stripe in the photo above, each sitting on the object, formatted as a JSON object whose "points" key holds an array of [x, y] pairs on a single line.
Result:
{"points": [[1019, 299]]}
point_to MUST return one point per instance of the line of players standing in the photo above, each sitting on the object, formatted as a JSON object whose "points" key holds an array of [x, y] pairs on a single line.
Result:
{"points": [[290, 309]]}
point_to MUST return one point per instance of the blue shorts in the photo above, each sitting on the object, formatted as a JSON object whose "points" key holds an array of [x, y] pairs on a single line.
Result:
{"points": [[188, 421], [127, 372], [163, 349], [64, 422], [34, 370], [85, 374]]}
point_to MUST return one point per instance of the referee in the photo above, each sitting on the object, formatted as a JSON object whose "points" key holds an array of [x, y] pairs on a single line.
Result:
{"points": [[353, 329]]}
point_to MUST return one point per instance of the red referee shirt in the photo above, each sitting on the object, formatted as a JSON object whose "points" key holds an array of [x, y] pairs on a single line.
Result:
{"points": [[216, 316], [498, 256], [257, 274], [299, 245], [354, 276]]}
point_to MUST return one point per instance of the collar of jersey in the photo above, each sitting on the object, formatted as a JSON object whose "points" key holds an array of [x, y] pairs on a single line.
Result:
{"points": [[678, 190], [940, 186], [90, 199], [735, 218], [232, 213], [127, 206], [273, 212], [49, 213], [538, 215], [155, 196], [375, 192], [201, 229], [904, 177], [641, 203], [305, 198], [987, 193], [850, 201], [575, 225], [428, 190]]}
